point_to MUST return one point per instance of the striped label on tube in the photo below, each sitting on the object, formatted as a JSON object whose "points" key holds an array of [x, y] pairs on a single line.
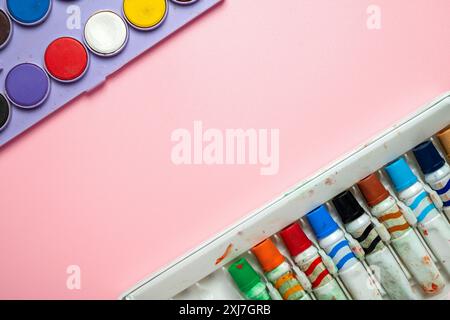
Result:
{"points": [[316, 272], [286, 283], [421, 205], [443, 190], [258, 292], [395, 222], [288, 286], [369, 239], [341, 254]]}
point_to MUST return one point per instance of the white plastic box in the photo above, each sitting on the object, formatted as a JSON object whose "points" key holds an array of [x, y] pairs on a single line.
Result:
{"points": [[202, 273]]}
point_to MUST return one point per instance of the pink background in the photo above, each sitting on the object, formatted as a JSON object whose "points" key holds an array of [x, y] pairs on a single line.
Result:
{"points": [[94, 185]]}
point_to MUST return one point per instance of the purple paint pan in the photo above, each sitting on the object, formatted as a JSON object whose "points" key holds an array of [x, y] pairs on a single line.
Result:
{"points": [[35, 96], [27, 85]]}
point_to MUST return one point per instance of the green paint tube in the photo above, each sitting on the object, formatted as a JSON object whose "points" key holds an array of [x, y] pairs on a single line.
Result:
{"points": [[248, 280]]}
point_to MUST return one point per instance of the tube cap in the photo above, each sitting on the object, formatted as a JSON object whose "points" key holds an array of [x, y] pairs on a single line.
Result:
{"points": [[244, 275], [401, 174], [295, 239], [268, 255], [321, 222], [373, 190], [347, 207], [428, 157], [444, 137]]}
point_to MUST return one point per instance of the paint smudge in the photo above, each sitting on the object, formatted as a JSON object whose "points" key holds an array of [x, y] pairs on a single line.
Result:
{"points": [[433, 289], [426, 260], [225, 254], [425, 232]]}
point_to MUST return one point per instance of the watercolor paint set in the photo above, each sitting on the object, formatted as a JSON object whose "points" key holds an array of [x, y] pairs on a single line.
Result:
{"points": [[373, 225], [51, 51]]}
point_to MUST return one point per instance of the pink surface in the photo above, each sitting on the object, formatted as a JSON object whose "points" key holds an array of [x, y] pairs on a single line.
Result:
{"points": [[94, 185]]}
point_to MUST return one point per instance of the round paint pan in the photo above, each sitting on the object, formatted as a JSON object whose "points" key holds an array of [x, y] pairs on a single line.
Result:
{"points": [[27, 85], [6, 29], [145, 15], [184, 2], [28, 12], [66, 59], [105, 33], [5, 112]]}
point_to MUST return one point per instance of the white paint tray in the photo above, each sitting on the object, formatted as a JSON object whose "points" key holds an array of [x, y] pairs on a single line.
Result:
{"points": [[202, 274]]}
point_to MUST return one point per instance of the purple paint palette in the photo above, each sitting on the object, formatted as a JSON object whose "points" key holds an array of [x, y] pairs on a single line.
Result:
{"points": [[51, 51]]}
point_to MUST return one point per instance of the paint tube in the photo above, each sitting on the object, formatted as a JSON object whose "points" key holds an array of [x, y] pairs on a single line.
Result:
{"points": [[430, 223], [278, 271], [351, 271], [370, 236], [248, 280], [404, 240], [444, 139], [307, 257], [436, 172]]}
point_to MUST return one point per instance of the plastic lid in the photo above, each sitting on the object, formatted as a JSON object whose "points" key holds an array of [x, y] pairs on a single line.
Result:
{"points": [[444, 137], [428, 157], [347, 207], [373, 190], [321, 222], [244, 275], [295, 239], [401, 174], [268, 255]]}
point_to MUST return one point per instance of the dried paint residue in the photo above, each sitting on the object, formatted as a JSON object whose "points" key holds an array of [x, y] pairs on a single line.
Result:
{"points": [[433, 289], [225, 254]]}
